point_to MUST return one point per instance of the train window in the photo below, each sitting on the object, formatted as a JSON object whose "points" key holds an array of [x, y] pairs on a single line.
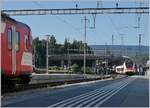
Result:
{"points": [[129, 64], [17, 41], [25, 41], [9, 34], [30, 40]]}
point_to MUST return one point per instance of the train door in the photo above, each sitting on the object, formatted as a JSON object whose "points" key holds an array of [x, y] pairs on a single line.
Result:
{"points": [[17, 50], [13, 50]]}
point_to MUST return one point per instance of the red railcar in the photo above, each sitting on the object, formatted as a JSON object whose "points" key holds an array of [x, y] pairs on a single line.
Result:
{"points": [[16, 51]]}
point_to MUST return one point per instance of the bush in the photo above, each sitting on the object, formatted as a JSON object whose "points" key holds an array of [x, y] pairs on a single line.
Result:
{"points": [[75, 68], [60, 68], [88, 70], [53, 68]]}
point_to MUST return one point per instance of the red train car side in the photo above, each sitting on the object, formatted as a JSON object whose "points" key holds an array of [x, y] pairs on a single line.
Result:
{"points": [[16, 51]]}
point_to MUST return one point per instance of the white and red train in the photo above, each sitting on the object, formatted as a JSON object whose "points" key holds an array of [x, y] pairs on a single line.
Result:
{"points": [[16, 51], [127, 67]]}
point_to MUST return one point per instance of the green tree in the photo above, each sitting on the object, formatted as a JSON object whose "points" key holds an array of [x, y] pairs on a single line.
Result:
{"points": [[75, 68], [67, 45], [88, 70], [39, 51], [52, 45], [52, 41]]}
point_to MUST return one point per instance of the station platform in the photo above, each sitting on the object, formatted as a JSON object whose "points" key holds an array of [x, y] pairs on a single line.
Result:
{"points": [[49, 78]]}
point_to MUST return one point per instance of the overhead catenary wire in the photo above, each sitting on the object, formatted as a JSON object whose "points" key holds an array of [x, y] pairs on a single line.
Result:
{"points": [[60, 19], [113, 25], [109, 18]]}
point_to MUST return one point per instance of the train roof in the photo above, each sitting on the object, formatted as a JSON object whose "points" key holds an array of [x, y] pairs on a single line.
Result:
{"points": [[5, 16], [126, 57]]}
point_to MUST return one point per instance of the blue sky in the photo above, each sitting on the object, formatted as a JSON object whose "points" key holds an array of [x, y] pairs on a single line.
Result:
{"points": [[71, 26]]}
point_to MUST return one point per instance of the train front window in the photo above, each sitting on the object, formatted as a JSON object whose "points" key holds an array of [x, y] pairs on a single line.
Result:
{"points": [[17, 41], [9, 35], [129, 64]]}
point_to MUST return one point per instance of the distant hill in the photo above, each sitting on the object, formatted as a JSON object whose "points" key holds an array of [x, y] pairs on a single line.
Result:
{"points": [[128, 50]]}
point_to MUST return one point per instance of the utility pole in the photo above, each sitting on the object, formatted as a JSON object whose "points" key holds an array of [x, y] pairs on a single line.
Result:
{"points": [[139, 44], [34, 56], [106, 48], [106, 60], [85, 27], [112, 44], [139, 55], [97, 3], [47, 53], [122, 43], [68, 54]]}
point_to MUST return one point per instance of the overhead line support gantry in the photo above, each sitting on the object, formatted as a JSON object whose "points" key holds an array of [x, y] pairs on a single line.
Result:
{"points": [[71, 11]]}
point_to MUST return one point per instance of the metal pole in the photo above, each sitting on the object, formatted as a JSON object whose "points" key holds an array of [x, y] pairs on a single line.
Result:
{"points": [[112, 44], [106, 65], [85, 45], [34, 57], [105, 49], [139, 44], [85, 26], [122, 39], [68, 55], [122, 44], [139, 54], [47, 54]]}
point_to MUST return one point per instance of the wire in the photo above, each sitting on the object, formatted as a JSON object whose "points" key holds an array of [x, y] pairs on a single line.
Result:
{"points": [[60, 19], [113, 24], [36, 3], [66, 22]]}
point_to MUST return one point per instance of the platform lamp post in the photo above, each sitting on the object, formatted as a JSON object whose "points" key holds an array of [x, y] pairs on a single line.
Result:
{"points": [[47, 53]]}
